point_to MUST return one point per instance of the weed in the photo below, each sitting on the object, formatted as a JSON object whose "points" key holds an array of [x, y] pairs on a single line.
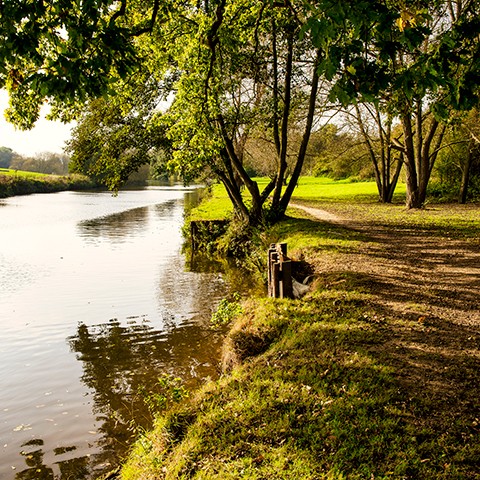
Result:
{"points": [[227, 310], [167, 391]]}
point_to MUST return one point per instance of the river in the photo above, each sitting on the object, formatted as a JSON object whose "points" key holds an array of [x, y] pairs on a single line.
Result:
{"points": [[97, 302]]}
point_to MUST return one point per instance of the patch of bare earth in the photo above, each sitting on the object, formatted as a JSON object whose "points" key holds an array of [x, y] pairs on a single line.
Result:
{"points": [[426, 292]]}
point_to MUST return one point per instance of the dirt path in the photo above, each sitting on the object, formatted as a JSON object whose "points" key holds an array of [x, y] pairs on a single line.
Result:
{"points": [[426, 295]]}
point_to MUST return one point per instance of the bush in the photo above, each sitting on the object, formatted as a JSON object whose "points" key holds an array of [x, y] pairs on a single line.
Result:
{"points": [[11, 185]]}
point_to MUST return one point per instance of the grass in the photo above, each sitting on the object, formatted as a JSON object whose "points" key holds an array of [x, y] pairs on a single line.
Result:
{"points": [[214, 206], [306, 408], [309, 391], [16, 182], [359, 200], [323, 189], [316, 404], [23, 174], [309, 189]]}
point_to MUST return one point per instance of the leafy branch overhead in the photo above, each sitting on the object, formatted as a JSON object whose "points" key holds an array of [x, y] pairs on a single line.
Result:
{"points": [[249, 76], [67, 51]]}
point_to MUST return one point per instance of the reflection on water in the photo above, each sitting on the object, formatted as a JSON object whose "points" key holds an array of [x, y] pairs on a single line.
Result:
{"points": [[76, 468], [121, 226], [96, 303], [118, 360]]}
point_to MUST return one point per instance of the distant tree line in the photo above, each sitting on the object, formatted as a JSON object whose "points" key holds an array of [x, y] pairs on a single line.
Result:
{"points": [[49, 163]]}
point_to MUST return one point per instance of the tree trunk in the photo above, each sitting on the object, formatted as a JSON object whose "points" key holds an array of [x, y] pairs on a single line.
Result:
{"points": [[419, 155], [411, 177], [282, 160], [462, 197], [287, 195], [393, 184]]}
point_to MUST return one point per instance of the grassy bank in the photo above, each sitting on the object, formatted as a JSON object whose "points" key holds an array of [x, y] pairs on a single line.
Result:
{"points": [[317, 388], [13, 182], [309, 190]]}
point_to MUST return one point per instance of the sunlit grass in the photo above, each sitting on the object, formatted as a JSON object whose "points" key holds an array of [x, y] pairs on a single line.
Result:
{"points": [[16, 182], [319, 398], [328, 190], [317, 404], [309, 189], [23, 174], [215, 206]]}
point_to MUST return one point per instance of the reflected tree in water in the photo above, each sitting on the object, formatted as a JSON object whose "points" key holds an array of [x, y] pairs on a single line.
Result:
{"points": [[123, 363], [77, 468]]}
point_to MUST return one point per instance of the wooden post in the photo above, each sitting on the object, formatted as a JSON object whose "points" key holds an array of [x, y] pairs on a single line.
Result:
{"points": [[272, 259], [193, 236], [286, 285], [279, 272], [276, 291]]}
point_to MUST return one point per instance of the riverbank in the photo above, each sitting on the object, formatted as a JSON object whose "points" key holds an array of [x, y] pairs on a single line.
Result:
{"points": [[373, 374], [24, 183]]}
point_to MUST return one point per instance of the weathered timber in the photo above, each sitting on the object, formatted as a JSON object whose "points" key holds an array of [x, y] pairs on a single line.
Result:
{"points": [[279, 272]]}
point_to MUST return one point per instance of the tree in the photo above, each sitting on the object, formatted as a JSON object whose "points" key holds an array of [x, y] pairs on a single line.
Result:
{"points": [[115, 136], [338, 152], [457, 171], [6, 155], [421, 58], [243, 64], [70, 51], [245, 78], [378, 134], [66, 51], [50, 163]]}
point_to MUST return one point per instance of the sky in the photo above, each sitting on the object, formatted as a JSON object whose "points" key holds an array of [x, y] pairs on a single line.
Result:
{"points": [[46, 136]]}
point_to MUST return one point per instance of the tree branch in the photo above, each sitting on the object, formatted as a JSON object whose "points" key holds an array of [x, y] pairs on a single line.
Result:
{"points": [[153, 19]]}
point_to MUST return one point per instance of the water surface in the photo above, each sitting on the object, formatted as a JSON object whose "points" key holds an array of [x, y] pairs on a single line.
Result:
{"points": [[96, 303]]}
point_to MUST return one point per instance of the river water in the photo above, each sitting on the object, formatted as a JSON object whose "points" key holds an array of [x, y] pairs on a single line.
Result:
{"points": [[96, 303]]}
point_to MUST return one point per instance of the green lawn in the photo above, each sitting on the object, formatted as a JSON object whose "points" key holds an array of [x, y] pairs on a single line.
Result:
{"points": [[313, 393], [318, 189], [20, 173]]}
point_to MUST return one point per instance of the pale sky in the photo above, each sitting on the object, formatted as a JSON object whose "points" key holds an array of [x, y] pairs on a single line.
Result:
{"points": [[46, 136]]}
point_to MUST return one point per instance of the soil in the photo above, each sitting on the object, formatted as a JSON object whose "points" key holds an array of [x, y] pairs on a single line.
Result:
{"points": [[426, 298]]}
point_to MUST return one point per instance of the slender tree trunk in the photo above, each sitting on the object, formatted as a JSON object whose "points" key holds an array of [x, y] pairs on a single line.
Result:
{"points": [[305, 139], [393, 183], [255, 213], [462, 196], [232, 187], [411, 177], [282, 160], [420, 153], [371, 152]]}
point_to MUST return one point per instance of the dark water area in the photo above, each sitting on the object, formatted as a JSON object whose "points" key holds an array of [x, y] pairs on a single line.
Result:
{"points": [[97, 301]]}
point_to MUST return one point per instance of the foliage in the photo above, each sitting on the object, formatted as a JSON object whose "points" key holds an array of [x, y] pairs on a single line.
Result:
{"points": [[47, 162], [63, 52], [116, 136], [249, 80], [338, 155], [6, 155], [457, 173], [409, 49], [418, 61], [244, 83], [227, 310], [164, 394], [13, 183]]}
